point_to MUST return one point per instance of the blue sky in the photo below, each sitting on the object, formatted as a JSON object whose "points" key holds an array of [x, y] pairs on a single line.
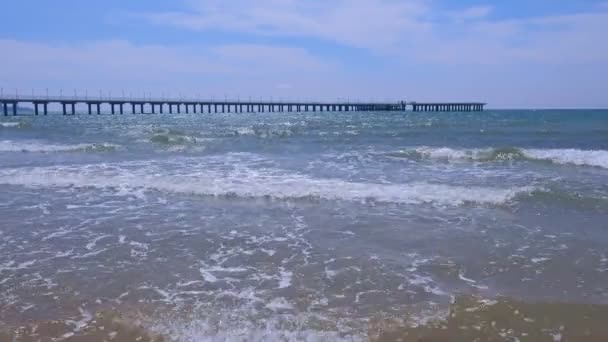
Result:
{"points": [[534, 53]]}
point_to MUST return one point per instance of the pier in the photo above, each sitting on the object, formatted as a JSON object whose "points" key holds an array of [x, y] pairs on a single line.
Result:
{"points": [[447, 107], [121, 105]]}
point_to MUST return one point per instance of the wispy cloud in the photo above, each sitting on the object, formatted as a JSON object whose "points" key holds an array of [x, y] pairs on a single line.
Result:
{"points": [[417, 29], [471, 13], [360, 23]]}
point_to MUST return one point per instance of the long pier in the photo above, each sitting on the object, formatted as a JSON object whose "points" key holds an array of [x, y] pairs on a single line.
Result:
{"points": [[121, 105]]}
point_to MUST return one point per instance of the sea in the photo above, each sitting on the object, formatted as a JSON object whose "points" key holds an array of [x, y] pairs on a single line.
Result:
{"points": [[332, 226]]}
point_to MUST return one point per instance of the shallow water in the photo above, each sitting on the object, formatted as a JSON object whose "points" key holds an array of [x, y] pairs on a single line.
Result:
{"points": [[304, 226]]}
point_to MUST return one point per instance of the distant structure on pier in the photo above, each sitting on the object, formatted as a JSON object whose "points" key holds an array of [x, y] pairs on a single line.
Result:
{"points": [[120, 105]]}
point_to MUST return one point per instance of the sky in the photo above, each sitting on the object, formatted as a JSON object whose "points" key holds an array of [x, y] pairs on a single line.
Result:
{"points": [[510, 54]]}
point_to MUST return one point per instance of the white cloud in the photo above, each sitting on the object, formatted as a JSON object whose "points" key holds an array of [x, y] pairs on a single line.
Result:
{"points": [[360, 23], [477, 12], [415, 29]]}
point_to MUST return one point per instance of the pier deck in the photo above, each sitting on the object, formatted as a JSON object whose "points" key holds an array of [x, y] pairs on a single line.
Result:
{"points": [[153, 106]]}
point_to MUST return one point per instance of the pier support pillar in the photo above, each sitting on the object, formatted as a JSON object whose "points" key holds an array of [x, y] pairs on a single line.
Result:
{"points": [[64, 109], [98, 108], [45, 105], [73, 109], [120, 107], [133, 108], [113, 110], [5, 108], [35, 109], [141, 106], [90, 110]]}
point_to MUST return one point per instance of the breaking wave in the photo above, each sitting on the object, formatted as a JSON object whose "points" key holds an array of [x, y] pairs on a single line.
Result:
{"points": [[19, 124], [172, 137], [265, 131], [190, 176], [597, 158], [44, 147]]}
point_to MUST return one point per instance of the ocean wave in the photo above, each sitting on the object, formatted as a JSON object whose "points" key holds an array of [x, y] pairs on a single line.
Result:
{"points": [[207, 179], [172, 137], [597, 158], [18, 124], [450, 154], [44, 147], [573, 199], [263, 131]]}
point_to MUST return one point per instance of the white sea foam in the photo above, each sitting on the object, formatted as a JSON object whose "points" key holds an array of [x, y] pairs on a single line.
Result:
{"points": [[272, 330], [46, 147], [245, 131], [446, 153], [10, 124], [207, 180], [597, 158], [285, 279]]}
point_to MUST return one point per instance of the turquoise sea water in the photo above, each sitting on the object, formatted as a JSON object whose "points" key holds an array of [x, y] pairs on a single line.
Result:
{"points": [[301, 226]]}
